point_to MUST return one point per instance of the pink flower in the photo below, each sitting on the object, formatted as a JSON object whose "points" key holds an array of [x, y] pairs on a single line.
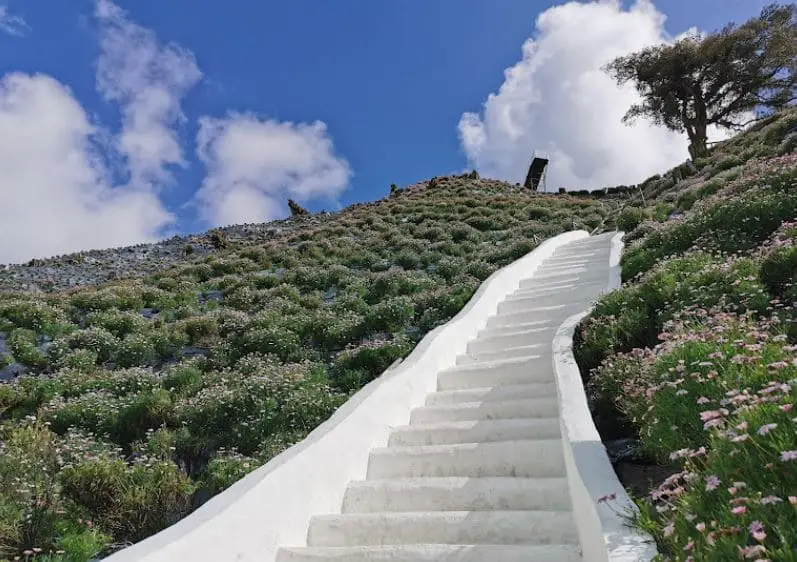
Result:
{"points": [[764, 429], [703, 400], [751, 551], [607, 497], [786, 456], [756, 529], [669, 529], [767, 500], [739, 510], [701, 527], [787, 407], [711, 483]]}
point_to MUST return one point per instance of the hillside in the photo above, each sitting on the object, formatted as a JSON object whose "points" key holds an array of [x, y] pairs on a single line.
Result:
{"points": [[130, 402], [141, 381], [691, 366]]}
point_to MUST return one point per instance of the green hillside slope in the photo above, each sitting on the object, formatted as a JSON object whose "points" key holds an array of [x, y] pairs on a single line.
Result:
{"points": [[129, 403], [694, 363]]}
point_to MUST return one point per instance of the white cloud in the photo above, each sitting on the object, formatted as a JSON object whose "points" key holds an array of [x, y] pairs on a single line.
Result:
{"points": [[55, 195], [254, 165], [148, 80], [11, 24], [57, 192], [558, 100]]}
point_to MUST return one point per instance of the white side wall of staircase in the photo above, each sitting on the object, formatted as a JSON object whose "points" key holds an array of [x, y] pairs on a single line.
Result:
{"points": [[467, 451]]}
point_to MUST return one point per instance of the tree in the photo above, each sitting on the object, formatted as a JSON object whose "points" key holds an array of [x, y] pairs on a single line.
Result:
{"points": [[718, 79]]}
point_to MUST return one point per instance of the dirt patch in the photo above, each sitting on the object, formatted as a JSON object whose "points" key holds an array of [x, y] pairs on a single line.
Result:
{"points": [[640, 478]]}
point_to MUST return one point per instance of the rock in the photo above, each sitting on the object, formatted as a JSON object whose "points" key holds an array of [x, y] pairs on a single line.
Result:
{"points": [[150, 313], [12, 371], [623, 449]]}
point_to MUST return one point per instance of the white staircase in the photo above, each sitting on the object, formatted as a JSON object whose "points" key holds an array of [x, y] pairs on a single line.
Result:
{"points": [[479, 473]]}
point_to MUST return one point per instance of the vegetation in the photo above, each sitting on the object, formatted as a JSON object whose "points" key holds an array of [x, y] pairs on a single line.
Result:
{"points": [[145, 396], [695, 355], [717, 79]]}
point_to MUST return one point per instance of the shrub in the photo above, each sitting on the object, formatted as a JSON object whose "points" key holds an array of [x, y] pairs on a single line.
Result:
{"points": [[630, 218], [131, 501]]}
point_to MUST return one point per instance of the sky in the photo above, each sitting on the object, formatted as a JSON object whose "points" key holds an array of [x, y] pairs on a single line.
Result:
{"points": [[130, 121]]}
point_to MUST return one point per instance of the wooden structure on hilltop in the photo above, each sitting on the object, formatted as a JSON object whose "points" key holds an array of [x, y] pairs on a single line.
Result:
{"points": [[535, 178]]}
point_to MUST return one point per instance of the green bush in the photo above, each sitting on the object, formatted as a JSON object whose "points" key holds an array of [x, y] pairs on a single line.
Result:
{"points": [[630, 218], [131, 501]]}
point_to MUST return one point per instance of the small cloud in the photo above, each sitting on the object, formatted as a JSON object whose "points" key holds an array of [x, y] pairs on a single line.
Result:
{"points": [[253, 165], [11, 24], [558, 100], [148, 80]]}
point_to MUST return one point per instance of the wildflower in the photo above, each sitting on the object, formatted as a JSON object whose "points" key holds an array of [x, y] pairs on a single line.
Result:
{"points": [[701, 527], [711, 483], [793, 500], [669, 529], [767, 500], [607, 497], [764, 429], [786, 407], [703, 400], [756, 529], [739, 510], [751, 551], [787, 456]]}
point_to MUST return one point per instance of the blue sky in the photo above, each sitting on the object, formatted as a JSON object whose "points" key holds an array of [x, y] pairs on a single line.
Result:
{"points": [[390, 80]]}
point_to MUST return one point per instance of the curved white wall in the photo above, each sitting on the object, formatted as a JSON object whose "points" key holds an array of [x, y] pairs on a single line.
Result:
{"points": [[273, 505], [605, 537]]}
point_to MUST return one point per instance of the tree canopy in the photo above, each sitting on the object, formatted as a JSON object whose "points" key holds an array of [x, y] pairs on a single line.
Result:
{"points": [[716, 79]]}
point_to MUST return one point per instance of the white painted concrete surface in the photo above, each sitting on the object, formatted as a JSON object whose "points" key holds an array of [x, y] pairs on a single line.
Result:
{"points": [[476, 447]]}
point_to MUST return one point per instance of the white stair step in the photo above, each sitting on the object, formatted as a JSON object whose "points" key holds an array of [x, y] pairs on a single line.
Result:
{"points": [[443, 527], [526, 458], [507, 353], [496, 410], [538, 305], [549, 291], [488, 342], [457, 494], [556, 316], [489, 394], [450, 433], [433, 553], [522, 370], [546, 326]]}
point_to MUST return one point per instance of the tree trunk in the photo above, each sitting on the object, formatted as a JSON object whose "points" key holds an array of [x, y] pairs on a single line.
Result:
{"points": [[698, 140]]}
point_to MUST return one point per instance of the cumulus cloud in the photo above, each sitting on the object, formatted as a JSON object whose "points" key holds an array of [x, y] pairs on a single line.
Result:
{"points": [[148, 80], [55, 193], [557, 99], [57, 188], [12, 24], [253, 165]]}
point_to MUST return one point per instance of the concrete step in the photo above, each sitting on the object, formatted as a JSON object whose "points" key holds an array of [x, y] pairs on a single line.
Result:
{"points": [[509, 352], [457, 494], [486, 341], [548, 326], [501, 372], [569, 289], [534, 304], [450, 433], [526, 317], [443, 527], [433, 553], [543, 458], [493, 410], [494, 393]]}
